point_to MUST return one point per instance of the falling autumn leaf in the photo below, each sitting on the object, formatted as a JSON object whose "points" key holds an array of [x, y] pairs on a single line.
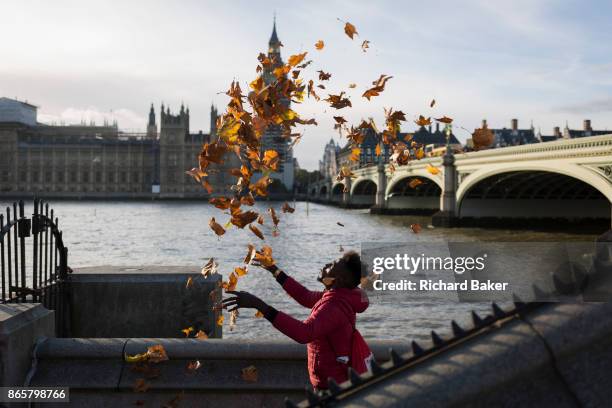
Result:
{"points": [[416, 228], [189, 282], [420, 153], [210, 268], [241, 271], [231, 283], [350, 30], [378, 149], [379, 86], [156, 354], [423, 121], [433, 170], [415, 182], [256, 231], [216, 227], [187, 331], [220, 320], [296, 59], [319, 45], [324, 76], [445, 119], [432, 103], [258, 315], [249, 374], [482, 138], [201, 335], [193, 366], [340, 224], [352, 86], [275, 219], [365, 45], [252, 251], [338, 101], [286, 208]]}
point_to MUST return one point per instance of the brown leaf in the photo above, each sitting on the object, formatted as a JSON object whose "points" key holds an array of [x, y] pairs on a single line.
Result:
{"points": [[189, 282], [222, 203], [187, 331], [445, 119], [432, 103], [319, 45], [241, 270], [338, 101], [156, 354], [414, 183], [286, 208], [416, 228], [193, 366], [249, 374], [352, 86], [275, 219], [365, 45], [379, 86], [250, 254], [258, 315], [324, 76], [243, 219], [256, 231], [261, 186], [482, 138], [216, 227], [350, 30], [340, 224]]}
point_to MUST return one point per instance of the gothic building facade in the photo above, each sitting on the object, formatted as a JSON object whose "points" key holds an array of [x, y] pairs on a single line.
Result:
{"points": [[88, 161]]}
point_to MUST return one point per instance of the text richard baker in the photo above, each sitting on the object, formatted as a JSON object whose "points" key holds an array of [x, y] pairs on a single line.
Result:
{"points": [[439, 285], [425, 264]]}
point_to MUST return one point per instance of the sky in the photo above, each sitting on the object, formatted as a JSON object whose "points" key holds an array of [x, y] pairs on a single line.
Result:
{"points": [[544, 61]]}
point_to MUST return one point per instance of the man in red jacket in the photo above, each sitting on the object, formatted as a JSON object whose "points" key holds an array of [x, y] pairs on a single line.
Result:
{"points": [[328, 330]]}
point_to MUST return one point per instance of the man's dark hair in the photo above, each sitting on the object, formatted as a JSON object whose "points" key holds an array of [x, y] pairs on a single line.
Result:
{"points": [[352, 261]]}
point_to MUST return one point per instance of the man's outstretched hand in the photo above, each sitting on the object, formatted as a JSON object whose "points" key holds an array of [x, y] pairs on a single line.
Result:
{"points": [[243, 299]]}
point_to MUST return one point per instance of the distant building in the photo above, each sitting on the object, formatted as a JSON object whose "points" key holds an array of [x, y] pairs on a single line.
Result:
{"points": [[328, 167], [513, 136], [424, 136], [102, 161], [568, 133], [273, 138]]}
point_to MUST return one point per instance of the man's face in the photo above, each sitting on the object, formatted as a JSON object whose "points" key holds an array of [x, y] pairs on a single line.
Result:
{"points": [[331, 270]]}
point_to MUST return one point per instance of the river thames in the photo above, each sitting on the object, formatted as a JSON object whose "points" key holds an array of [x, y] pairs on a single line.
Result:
{"points": [[177, 233]]}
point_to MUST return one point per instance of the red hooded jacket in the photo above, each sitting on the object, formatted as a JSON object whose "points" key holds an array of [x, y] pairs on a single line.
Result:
{"points": [[328, 330]]}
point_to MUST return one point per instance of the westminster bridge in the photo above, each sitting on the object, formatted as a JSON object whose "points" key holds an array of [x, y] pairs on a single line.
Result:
{"points": [[568, 179]]}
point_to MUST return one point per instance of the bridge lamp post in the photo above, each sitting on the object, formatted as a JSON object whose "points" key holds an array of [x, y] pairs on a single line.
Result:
{"points": [[382, 182], [447, 216]]}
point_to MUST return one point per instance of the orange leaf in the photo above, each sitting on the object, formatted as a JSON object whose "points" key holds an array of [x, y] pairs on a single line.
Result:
{"points": [[201, 335], [156, 354], [415, 182], [433, 170], [244, 218], [420, 153], [187, 331], [252, 252], [296, 59], [220, 320], [416, 228], [319, 45], [350, 30], [189, 282], [275, 219], [445, 119], [422, 121], [222, 203], [241, 271], [259, 315], [355, 152], [379, 86], [378, 150], [193, 366], [261, 186]]}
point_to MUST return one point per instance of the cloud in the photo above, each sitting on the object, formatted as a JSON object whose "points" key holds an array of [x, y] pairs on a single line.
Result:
{"points": [[126, 118], [592, 106]]}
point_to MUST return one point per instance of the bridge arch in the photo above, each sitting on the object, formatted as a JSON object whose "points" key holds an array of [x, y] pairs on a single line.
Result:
{"points": [[323, 191], [363, 192], [336, 193], [414, 193], [555, 190]]}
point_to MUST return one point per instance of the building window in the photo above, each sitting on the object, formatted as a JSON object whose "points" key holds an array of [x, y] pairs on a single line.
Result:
{"points": [[110, 177], [85, 177], [98, 176], [59, 176], [73, 177], [135, 177], [123, 177], [48, 177], [35, 178]]}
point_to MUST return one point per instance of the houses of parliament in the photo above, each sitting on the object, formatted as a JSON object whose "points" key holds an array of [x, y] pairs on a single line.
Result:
{"points": [[88, 161]]}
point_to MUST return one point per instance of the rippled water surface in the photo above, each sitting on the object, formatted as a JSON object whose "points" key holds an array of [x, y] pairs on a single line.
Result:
{"points": [[177, 233]]}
